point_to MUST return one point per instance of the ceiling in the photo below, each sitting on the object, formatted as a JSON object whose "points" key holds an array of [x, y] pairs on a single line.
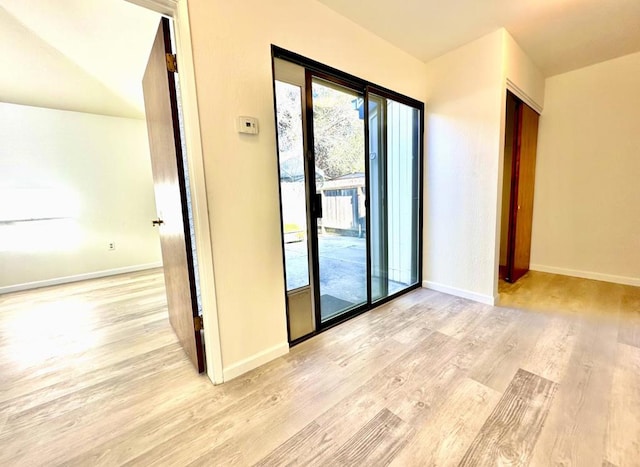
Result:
{"points": [[84, 55], [558, 35], [89, 55]]}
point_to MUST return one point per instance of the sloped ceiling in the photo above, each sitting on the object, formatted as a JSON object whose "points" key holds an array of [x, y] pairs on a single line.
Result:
{"points": [[82, 55], [558, 35], [89, 55]]}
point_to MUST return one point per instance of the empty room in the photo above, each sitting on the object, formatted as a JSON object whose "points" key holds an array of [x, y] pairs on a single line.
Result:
{"points": [[320, 232]]}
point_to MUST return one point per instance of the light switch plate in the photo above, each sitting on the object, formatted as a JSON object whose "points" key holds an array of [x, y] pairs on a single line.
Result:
{"points": [[248, 125]]}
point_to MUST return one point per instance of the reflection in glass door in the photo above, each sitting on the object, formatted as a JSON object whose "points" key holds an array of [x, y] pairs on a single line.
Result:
{"points": [[340, 187]]}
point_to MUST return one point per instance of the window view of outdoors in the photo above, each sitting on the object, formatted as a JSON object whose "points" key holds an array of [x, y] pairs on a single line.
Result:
{"points": [[292, 184], [340, 180], [338, 131], [339, 167]]}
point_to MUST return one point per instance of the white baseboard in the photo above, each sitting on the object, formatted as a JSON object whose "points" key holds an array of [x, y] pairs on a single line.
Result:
{"points": [[78, 277], [248, 364], [476, 297], [598, 276]]}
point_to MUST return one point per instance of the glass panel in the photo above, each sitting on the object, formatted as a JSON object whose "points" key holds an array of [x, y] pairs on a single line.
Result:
{"points": [[338, 130], [377, 205], [292, 184], [394, 180]]}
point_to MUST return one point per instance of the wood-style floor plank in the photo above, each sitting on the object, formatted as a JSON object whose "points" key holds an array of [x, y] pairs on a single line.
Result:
{"points": [[350, 402], [422, 380], [376, 443], [511, 431], [445, 436], [622, 442], [391, 387], [301, 449], [630, 326], [550, 356], [498, 366], [575, 426], [464, 316], [268, 417], [478, 340]]}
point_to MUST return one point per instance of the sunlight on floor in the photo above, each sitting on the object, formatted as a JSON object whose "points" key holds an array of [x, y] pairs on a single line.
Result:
{"points": [[50, 330]]}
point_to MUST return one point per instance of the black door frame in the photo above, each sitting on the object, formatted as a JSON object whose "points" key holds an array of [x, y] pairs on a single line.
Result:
{"points": [[315, 209], [363, 87]]}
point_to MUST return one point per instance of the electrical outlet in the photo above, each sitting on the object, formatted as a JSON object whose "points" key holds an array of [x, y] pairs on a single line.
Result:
{"points": [[112, 245]]}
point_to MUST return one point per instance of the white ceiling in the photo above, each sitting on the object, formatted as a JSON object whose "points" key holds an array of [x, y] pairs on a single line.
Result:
{"points": [[558, 35], [89, 55], [86, 55]]}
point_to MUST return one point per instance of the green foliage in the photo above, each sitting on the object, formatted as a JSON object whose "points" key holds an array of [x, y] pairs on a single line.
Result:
{"points": [[338, 132], [289, 118]]}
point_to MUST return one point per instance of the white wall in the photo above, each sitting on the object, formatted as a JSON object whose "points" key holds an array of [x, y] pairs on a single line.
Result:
{"points": [[465, 128], [524, 77], [93, 171], [232, 56], [586, 218], [463, 144], [37, 64]]}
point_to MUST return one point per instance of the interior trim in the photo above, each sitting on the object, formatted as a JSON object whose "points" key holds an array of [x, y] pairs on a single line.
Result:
{"points": [[523, 96], [179, 12], [78, 277], [463, 293], [256, 360], [598, 276], [200, 207], [164, 7]]}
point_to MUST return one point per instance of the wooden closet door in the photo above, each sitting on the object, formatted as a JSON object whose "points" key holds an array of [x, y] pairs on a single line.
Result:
{"points": [[525, 168]]}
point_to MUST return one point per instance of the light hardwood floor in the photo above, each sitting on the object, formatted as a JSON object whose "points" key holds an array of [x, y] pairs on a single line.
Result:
{"points": [[91, 374]]}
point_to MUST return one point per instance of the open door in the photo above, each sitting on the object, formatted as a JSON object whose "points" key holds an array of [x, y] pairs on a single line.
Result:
{"points": [[518, 189], [525, 170], [167, 164]]}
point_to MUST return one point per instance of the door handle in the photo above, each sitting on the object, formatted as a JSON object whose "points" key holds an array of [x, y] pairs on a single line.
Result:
{"points": [[317, 208], [157, 222]]}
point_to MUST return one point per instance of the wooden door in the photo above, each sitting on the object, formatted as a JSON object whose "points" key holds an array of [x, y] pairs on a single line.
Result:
{"points": [[522, 194], [163, 127]]}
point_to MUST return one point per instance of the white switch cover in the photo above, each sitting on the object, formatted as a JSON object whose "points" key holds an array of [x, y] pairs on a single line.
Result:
{"points": [[247, 125]]}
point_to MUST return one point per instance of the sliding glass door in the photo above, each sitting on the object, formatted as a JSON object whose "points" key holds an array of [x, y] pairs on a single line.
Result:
{"points": [[394, 181], [339, 163], [350, 184]]}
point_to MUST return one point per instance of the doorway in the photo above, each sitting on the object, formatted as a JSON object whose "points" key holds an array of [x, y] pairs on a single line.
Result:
{"points": [[350, 181], [520, 145], [130, 197]]}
